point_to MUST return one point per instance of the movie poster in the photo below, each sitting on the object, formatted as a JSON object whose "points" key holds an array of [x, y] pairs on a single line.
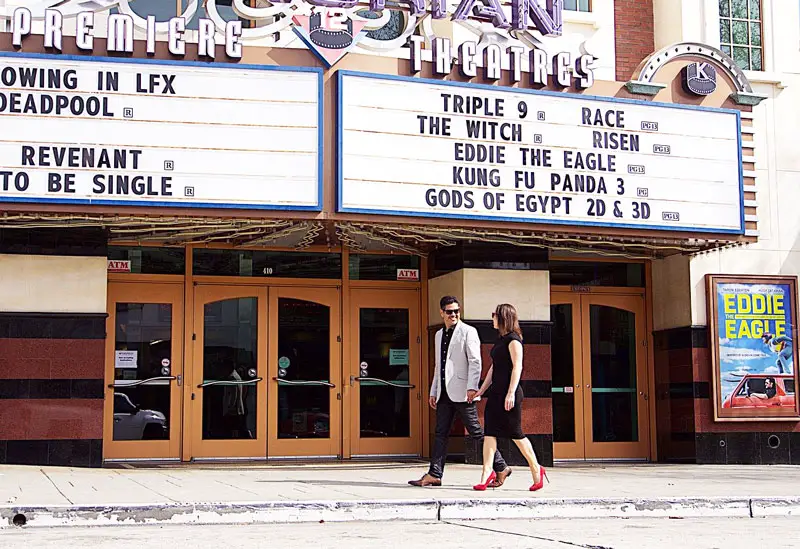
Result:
{"points": [[752, 323]]}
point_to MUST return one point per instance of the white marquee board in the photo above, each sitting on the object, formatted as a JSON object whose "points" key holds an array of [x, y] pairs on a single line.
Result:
{"points": [[410, 146], [141, 132]]}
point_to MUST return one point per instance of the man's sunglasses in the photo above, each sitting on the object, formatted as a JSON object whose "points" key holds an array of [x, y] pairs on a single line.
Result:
{"points": [[452, 312]]}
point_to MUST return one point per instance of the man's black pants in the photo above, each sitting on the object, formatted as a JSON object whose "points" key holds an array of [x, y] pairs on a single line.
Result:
{"points": [[446, 411]]}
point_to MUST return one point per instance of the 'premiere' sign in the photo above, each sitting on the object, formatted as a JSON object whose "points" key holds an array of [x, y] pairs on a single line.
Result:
{"points": [[423, 147], [159, 133]]}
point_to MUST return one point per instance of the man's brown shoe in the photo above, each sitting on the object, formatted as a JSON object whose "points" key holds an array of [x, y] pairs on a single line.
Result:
{"points": [[501, 477], [426, 480]]}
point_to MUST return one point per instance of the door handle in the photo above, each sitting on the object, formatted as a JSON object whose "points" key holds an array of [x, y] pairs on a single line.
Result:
{"points": [[303, 382], [382, 382], [229, 382], [136, 383]]}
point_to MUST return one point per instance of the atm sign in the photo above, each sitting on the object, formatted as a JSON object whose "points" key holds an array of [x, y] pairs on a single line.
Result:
{"points": [[119, 266], [408, 274]]}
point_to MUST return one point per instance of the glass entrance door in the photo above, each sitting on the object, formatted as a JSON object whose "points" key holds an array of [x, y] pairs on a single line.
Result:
{"points": [[228, 375], [567, 368], [304, 373], [599, 377], [144, 371], [384, 377]]}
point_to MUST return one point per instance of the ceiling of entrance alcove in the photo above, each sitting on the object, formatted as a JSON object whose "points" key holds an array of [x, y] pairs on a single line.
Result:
{"points": [[424, 239], [366, 237]]}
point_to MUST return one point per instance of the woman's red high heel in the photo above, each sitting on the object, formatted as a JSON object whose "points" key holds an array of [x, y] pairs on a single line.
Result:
{"points": [[542, 476], [482, 487]]}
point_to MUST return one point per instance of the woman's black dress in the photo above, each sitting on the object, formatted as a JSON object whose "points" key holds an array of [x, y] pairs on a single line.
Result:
{"points": [[500, 423]]}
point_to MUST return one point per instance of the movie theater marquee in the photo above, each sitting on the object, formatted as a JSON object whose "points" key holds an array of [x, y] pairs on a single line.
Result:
{"points": [[159, 133], [423, 147]]}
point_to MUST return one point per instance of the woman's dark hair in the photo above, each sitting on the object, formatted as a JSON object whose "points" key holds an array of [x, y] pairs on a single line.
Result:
{"points": [[507, 320]]}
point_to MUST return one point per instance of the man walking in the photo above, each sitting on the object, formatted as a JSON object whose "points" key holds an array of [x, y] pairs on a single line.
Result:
{"points": [[455, 384]]}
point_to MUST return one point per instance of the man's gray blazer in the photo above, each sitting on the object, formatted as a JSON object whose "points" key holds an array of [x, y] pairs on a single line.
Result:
{"points": [[462, 370]]}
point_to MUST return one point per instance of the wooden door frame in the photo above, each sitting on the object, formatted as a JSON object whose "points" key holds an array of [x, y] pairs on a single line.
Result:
{"points": [[253, 449], [140, 290], [313, 448], [620, 450], [369, 296], [561, 294], [576, 449]]}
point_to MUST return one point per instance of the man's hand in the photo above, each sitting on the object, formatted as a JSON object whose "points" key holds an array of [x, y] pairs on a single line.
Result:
{"points": [[471, 395], [432, 402]]}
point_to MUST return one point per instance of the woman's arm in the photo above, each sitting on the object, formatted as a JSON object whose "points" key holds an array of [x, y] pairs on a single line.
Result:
{"points": [[515, 349], [487, 382]]}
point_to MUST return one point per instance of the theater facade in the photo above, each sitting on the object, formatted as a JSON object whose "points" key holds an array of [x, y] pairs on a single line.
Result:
{"points": [[227, 226]]}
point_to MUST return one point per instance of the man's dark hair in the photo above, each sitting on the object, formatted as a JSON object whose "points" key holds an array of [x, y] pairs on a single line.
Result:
{"points": [[447, 300]]}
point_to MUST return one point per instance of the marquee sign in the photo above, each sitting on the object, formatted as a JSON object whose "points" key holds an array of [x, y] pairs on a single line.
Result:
{"points": [[136, 133], [511, 31], [446, 149], [517, 16]]}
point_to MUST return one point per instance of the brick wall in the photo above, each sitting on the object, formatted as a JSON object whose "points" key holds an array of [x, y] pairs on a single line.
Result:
{"points": [[633, 34], [52, 363], [685, 414]]}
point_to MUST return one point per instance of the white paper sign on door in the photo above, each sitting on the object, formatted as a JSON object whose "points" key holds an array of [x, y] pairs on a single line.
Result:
{"points": [[126, 360]]}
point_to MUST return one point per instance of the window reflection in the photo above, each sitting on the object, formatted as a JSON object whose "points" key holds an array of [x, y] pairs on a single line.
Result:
{"points": [[142, 353], [614, 400], [563, 373], [384, 352], [303, 359], [230, 365]]}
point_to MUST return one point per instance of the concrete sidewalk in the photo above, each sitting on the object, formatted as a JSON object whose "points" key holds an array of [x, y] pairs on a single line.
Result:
{"points": [[231, 493]]}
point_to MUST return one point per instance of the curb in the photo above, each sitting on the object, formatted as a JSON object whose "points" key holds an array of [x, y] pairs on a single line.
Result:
{"points": [[219, 513], [595, 508], [281, 512]]}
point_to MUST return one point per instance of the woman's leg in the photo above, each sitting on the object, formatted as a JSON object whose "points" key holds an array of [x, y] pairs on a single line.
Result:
{"points": [[525, 447], [489, 448]]}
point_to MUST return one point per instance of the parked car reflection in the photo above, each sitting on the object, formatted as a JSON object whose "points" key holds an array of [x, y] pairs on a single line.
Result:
{"points": [[133, 423]]}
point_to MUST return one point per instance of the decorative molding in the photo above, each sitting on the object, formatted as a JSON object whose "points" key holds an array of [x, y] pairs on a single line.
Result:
{"points": [[750, 99], [769, 78], [644, 88], [648, 69]]}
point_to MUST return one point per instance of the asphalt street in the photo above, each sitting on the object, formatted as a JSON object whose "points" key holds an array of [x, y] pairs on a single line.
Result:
{"points": [[506, 534]]}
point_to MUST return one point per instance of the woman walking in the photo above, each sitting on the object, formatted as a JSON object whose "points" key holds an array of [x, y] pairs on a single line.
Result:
{"points": [[503, 414]]}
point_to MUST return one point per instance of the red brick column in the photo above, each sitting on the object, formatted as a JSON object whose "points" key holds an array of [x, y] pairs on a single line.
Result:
{"points": [[51, 389], [633, 35]]}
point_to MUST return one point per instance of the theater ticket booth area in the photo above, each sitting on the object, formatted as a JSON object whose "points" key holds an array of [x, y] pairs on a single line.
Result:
{"points": [[244, 368]]}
